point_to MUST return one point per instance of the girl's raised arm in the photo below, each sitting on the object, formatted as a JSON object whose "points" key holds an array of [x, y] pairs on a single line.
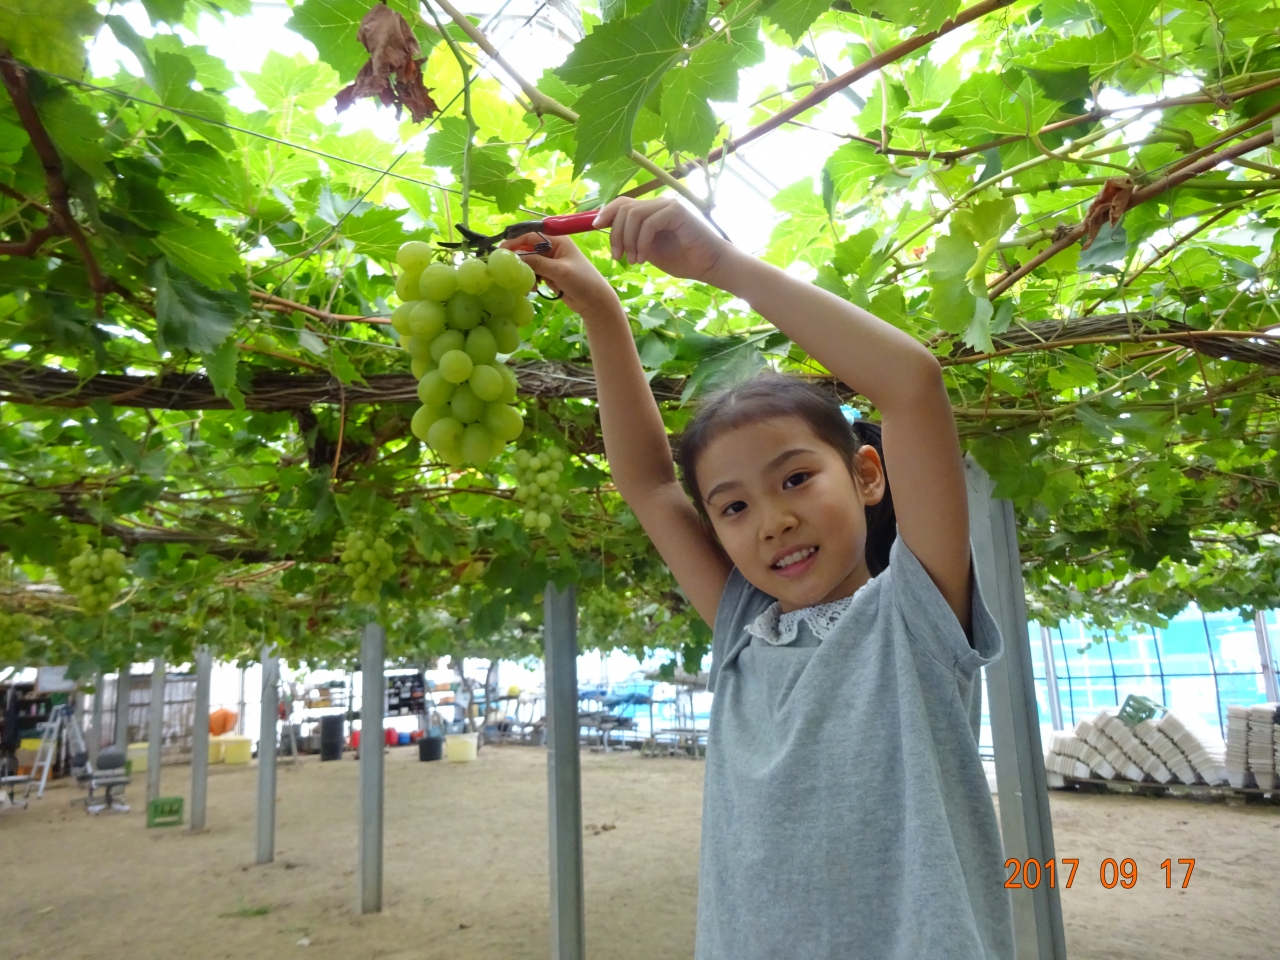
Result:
{"points": [[635, 439], [895, 372]]}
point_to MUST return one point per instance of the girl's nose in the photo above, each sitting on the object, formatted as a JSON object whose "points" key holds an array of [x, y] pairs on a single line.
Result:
{"points": [[777, 522]]}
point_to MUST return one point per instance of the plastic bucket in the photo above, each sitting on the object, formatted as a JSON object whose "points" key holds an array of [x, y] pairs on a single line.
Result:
{"points": [[430, 748], [461, 747], [403, 739], [138, 754], [215, 750], [331, 737], [236, 749], [390, 737]]}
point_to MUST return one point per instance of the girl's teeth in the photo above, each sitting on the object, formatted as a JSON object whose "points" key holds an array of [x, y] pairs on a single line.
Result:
{"points": [[794, 558]]}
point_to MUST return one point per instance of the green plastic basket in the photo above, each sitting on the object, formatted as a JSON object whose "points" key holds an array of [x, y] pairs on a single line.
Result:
{"points": [[165, 812], [1135, 709]]}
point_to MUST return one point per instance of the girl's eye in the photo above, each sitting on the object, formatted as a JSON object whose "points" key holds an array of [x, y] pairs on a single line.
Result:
{"points": [[795, 480], [737, 506]]}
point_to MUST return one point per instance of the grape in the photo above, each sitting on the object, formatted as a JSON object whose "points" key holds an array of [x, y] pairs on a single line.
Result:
{"points": [[455, 366], [512, 384], [473, 277], [95, 577], [486, 382], [506, 338], [527, 279], [477, 444], [413, 256], [482, 346], [439, 281], [445, 432], [407, 286], [503, 421], [400, 317], [434, 389], [504, 268], [423, 418], [369, 562], [426, 320], [522, 312], [464, 310], [498, 301], [421, 368], [418, 348], [449, 340], [537, 476], [467, 407]]}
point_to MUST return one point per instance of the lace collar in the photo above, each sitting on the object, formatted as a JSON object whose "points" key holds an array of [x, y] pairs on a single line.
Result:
{"points": [[777, 628]]}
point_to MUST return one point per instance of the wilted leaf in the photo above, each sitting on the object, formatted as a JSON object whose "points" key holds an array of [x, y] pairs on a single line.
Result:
{"points": [[394, 71]]}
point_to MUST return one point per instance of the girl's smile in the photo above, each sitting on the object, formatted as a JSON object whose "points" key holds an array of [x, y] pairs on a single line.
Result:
{"points": [[788, 510]]}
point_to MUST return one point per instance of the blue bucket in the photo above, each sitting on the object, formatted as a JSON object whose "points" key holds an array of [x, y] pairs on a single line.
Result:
{"points": [[404, 739]]}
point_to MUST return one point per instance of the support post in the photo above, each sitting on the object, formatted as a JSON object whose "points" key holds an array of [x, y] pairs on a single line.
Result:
{"points": [[267, 757], [373, 694], [123, 683], [200, 738], [564, 781], [240, 715], [155, 728], [1025, 825], [95, 722], [1051, 678], [1266, 655]]}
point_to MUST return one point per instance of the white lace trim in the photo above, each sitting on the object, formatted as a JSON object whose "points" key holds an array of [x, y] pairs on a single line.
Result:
{"points": [[778, 628]]}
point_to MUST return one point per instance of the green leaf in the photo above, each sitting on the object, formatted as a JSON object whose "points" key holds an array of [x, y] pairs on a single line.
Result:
{"points": [[48, 34], [806, 233], [211, 72], [190, 316], [289, 83], [220, 365], [986, 221], [794, 17], [76, 132], [492, 173], [853, 166], [620, 64], [164, 11], [13, 140], [378, 233], [203, 251], [997, 104], [1127, 19], [1111, 244], [710, 74], [951, 303]]}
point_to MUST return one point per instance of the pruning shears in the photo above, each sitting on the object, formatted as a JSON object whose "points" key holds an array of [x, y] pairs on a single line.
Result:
{"points": [[560, 226]]}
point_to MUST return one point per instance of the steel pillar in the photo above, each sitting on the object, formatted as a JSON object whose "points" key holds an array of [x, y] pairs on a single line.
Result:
{"points": [[373, 695], [1051, 678], [1025, 824], [200, 738], [267, 757], [123, 683], [155, 728], [564, 780], [95, 722]]}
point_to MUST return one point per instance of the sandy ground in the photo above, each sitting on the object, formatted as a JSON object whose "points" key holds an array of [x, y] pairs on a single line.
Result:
{"points": [[466, 869]]}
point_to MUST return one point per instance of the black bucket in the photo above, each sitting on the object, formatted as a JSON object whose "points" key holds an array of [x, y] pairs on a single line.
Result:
{"points": [[331, 729], [430, 748]]}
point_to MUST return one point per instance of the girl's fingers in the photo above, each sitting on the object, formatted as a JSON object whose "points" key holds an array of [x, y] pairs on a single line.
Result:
{"points": [[631, 232], [607, 215], [660, 220], [619, 229]]}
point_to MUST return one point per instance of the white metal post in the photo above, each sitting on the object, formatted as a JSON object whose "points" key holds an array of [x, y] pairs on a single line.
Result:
{"points": [[564, 779], [200, 738], [373, 695], [1051, 678], [267, 757], [1025, 825], [123, 683], [240, 715], [95, 722], [155, 728]]}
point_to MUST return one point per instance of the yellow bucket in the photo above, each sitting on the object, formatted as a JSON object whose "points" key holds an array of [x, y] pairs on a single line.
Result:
{"points": [[138, 754], [215, 750], [29, 743], [236, 749], [460, 747]]}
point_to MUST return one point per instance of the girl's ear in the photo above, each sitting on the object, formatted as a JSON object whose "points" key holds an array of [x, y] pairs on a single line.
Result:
{"points": [[869, 475]]}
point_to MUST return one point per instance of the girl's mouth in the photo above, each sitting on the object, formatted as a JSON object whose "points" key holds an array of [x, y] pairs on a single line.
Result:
{"points": [[796, 562]]}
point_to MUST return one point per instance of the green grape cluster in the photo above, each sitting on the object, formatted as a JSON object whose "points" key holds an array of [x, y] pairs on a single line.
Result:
{"points": [[537, 477], [367, 561], [12, 628], [95, 577], [454, 321]]}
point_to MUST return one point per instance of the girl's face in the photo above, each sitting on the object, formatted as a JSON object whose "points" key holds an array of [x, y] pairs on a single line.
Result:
{"points": [[788, 511]]}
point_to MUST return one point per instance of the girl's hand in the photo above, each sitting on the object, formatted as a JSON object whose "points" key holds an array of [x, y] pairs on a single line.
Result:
{"points": [[569, 273], [664, 233]]}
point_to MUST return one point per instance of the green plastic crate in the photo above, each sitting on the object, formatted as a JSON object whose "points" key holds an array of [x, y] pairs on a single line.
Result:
{"points": [[165, 812], [1135, 709]]}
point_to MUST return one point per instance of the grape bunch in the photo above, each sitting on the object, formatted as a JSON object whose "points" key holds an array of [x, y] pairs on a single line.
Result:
{"points": [[454, 321], [367, 561], [95, 577], [12, 628], [537, 476]]}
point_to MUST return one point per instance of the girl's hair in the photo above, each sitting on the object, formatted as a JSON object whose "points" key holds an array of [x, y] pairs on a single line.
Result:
{"points": [[769, 396]]}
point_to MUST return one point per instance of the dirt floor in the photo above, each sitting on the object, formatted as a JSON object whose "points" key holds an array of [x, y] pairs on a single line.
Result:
{"points": [[466, 869]]}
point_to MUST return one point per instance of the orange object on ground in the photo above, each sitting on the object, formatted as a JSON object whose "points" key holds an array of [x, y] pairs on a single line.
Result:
{"points": [[222, 721]]}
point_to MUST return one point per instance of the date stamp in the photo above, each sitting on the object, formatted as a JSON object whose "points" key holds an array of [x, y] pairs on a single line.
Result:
{"points": [[1030, 873]]}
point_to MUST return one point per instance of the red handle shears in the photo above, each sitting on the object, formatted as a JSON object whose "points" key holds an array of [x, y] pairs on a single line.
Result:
{"points": [[559, 226]]}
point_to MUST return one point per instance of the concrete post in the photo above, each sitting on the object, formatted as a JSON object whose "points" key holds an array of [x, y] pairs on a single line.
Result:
{"points": [[267, 757], [200, 738], [95, 722], [155, 728], [373, 695], [1025, 825], [564, 781], [123, 683]]}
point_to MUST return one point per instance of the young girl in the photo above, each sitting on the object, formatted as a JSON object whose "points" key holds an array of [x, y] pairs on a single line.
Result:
{"points": [[845, 812]]}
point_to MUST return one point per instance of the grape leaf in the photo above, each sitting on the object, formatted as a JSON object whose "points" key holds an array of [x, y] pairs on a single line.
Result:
{"points": [[203, 251], [853, 165], [48, 34], [287, 83], [710, 74], [991, 103], [220, 365], [164, 11], [795, 17], [190, 316], [492, 173], [1127, 19]]}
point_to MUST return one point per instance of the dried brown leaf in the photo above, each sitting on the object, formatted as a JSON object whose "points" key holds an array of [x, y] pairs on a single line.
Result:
{"points": [[394, 71], [1107, 207]]}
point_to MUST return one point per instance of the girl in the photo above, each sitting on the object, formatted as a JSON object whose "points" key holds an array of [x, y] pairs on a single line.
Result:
{"points": [[845, 810]]}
